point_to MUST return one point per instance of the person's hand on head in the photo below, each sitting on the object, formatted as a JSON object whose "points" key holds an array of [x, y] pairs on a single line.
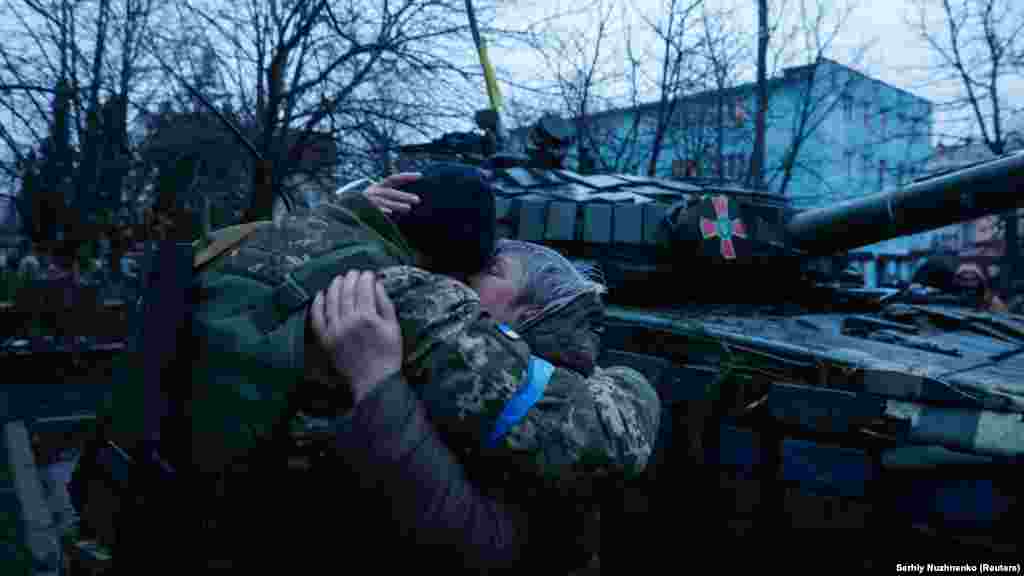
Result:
{"points": [[355, 322], [384, 196]]}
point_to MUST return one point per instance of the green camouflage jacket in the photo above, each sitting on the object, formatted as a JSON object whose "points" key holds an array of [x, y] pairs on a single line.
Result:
{"points": [[251, 324], [466, 368]]}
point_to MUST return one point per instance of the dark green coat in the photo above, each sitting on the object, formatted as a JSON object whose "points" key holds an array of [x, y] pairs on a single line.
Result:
{"points": [[250, 324]]}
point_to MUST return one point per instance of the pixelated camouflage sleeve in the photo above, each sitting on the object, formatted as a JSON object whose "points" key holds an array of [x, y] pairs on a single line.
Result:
{"points": [[460, 365], [604, 423], [465, 370]]}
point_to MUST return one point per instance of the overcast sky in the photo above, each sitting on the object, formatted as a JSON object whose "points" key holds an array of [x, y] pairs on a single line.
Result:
{"points": [[896, 54]]}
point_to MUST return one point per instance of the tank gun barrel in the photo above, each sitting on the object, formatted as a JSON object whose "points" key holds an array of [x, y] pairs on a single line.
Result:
{"points": [[989, 188]]}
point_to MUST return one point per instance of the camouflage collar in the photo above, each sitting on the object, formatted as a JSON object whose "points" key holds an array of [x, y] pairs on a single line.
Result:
{"points": [[565, 333], [586, 300]]}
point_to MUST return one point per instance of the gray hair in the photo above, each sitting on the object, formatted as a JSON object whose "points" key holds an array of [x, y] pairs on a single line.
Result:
{"points": [[549, 279]]}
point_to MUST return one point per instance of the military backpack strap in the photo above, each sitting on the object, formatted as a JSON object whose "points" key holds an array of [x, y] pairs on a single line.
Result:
{"points": [[298, 288], [225, 240]]}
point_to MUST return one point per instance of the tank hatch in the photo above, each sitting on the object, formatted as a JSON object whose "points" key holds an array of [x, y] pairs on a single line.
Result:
{"points": [[647, 235]]}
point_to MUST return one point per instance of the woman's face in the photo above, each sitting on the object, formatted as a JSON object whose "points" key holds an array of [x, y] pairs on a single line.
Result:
{"points": [[499, 287]]}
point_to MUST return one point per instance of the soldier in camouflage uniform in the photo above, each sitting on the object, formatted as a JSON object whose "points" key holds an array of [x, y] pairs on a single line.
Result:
{"points": [[464, 365], [258, 365]]}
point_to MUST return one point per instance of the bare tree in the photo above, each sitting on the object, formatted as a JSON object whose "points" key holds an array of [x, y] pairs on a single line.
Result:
{"points": [[757, 159], [695, 135], [723, 51], [620, 144], [577, 73], [977, 46], [606, 96], [35, 52], [85, 55], [820, 88], [698, 60], [309, 66], [674, 27]]}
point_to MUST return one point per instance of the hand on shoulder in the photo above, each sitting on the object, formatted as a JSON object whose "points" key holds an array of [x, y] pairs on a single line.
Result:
{"points": [[355, 322]]}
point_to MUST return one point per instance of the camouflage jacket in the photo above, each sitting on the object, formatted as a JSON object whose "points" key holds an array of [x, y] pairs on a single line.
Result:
{"points": [[465, 368], [251, 311]]}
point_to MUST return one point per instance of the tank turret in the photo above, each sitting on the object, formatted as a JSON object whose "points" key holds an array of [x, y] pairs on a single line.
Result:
{"points": [[808, 409], [549, 141], [662, 240], [652, 238]]}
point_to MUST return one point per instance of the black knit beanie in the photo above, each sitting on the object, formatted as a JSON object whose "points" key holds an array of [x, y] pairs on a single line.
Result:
{"points": [[454, 224]]}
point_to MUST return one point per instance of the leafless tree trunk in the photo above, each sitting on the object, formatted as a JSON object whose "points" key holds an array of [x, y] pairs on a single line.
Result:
{"points": [[974, 43], [626, 153], [71, 45], [723, 50], [820, 89], [590, 78], [977, 45], [814, 90], [679, 50], [69, 49], [578, 70], [757, 159], [315, 63], [88, 174]]}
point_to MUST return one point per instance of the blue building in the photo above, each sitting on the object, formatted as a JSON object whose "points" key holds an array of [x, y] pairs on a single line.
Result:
{"points": [[841, 134]]}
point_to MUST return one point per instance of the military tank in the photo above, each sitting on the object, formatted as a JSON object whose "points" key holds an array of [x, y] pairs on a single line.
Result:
{"points": [[801, 409], [799, 405]]}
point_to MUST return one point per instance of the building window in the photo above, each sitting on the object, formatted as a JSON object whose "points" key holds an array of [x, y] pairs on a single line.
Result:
{"points": [[678, 168], [739, 112]]}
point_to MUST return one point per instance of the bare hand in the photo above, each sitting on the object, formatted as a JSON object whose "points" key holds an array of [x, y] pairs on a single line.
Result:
{"points": [[355, 322], [389, 200]]}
